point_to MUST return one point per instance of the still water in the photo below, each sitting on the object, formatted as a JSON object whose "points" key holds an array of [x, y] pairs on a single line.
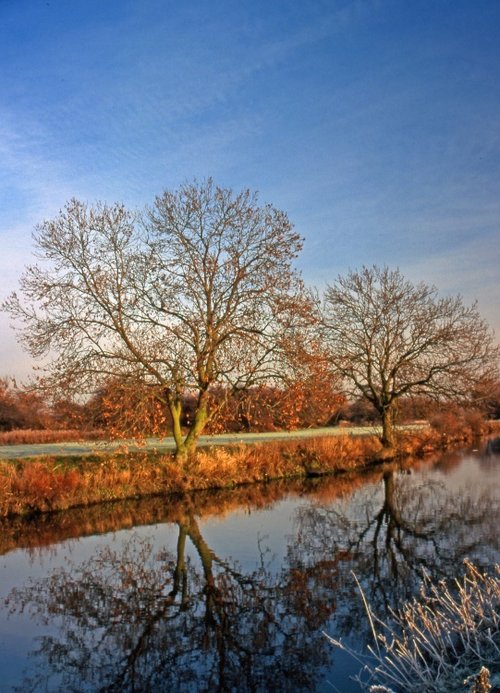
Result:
{"points": [[233, 591]]}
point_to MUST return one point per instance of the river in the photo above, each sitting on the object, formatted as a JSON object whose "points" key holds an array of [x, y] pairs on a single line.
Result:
{"points": [[233, 591]]}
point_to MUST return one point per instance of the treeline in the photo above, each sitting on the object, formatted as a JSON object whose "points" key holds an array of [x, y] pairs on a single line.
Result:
{"points": [[118, 410], [122, 409]]}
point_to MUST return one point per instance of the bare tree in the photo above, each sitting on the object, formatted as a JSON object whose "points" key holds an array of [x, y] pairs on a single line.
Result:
{"points": [[198, 290], [390, 338]]}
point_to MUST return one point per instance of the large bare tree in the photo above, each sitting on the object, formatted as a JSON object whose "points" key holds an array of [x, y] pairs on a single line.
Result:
{"points": [[200, 289], [390, 338]]}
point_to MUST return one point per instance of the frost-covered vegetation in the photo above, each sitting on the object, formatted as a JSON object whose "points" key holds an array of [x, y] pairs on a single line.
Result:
{"points": [[446, 639]]}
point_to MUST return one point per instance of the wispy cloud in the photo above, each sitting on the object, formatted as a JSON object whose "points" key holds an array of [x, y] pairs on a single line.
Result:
{"points": [[471, 269], [38, 180]]}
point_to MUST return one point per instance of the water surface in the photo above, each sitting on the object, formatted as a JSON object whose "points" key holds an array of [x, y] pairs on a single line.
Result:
{"points": [[233, 591]]}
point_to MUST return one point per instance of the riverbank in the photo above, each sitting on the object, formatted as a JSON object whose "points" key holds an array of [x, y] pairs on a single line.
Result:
{"points": [[45, 484]]}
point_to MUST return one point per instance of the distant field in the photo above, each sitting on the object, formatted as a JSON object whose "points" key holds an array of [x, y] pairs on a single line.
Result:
{"points": [[29, 436]]}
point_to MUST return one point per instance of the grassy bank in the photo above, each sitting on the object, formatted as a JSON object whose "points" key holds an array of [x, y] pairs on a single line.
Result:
{"points": [[46, 484]]}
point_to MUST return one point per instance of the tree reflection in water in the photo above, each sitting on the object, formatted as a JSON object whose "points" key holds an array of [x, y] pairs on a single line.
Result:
{"points": [[136, 620], [389, 540], [139, 619]]}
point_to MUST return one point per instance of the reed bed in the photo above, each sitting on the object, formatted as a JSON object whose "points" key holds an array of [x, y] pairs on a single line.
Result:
{"points": [[45, 484], [48, 528]]}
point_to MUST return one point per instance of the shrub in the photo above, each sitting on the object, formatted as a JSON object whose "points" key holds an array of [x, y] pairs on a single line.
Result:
{"points": [[474, 420], [447, 423]]}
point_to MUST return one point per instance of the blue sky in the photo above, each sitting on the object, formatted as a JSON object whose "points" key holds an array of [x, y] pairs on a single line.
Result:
{"points": [[374, 123]]}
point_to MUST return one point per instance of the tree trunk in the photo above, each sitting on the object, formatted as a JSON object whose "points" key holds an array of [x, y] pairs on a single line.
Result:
{"points": [[180, 573], [185, 445], [175, 406], [388, 439], [389, 488], [199, 422]]}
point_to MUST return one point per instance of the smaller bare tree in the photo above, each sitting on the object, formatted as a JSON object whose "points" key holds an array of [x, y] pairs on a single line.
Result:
{"points": [[389, 338]]}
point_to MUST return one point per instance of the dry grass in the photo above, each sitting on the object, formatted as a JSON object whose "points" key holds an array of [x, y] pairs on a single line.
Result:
{"points": [[34, 436], [447, 638], [445, 432], [462, 426], [46, 484], [222, 467]]}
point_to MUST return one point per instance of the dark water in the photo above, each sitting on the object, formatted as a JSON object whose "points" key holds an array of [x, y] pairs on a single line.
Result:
{"points": [[233, 591]]}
